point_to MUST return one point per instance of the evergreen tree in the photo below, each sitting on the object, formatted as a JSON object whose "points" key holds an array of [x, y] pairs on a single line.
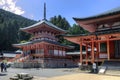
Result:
{"points": [[61, 22], [77, 30], [11, 23], [9, 29]]}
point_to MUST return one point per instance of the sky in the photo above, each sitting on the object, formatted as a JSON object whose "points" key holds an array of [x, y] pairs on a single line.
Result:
{"points": [[33, 9]]}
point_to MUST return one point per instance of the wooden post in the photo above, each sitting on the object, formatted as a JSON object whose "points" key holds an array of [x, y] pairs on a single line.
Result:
{"points": [[92, 51], [53, 50], [97, 51], [58, 52], [81, 52], [108, 48], [23, 50], [62, 51], [86, 54], [45, 50]]}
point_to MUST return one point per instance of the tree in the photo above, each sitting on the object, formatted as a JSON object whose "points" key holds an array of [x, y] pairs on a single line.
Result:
{"points": [[77, 30], [9, 29], [61, 22]]}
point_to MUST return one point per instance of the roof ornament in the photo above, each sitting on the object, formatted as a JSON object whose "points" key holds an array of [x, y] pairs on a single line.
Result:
{"points": [[44, 11]]}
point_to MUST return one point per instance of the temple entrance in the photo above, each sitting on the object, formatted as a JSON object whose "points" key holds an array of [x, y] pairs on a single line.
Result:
{"points": [[117, 49]]}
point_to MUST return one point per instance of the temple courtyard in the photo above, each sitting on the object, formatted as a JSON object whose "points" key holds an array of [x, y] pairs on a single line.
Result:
{"points": [[56, 74]]}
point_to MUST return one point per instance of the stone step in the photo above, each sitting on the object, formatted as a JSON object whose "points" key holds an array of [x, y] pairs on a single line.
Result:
{"points": [[113, 72], [111, 67]]}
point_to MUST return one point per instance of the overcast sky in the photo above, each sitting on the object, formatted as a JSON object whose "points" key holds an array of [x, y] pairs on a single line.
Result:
{"points": [[33, 9]]}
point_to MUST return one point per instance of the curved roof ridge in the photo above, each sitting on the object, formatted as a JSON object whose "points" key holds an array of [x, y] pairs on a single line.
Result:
{"points": [[43, 21], [106, 13]]}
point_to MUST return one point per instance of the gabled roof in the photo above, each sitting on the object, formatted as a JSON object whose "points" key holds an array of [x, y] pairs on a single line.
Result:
{"points": [[107, 13], [43, 22]]}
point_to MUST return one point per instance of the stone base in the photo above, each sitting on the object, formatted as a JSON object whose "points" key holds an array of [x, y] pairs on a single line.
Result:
{"points": [[46, 63]]}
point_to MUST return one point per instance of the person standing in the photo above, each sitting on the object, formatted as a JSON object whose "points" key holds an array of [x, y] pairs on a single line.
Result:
{"points": [[5, 67], [2, 66]]}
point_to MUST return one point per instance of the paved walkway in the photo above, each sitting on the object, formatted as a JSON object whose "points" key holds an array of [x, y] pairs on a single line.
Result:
{"points": [[56, 74], [43, 73]]}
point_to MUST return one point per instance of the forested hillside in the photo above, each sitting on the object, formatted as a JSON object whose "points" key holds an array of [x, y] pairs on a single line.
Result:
{"points": [[9, 29], [10, 33], [71, 30]]}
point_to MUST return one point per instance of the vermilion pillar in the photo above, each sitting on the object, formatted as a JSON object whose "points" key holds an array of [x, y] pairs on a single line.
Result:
{"points": [[58, 51], [81, 52], [92, 52], [62, 51], [97, 51], [108, 49], [86, 54]]}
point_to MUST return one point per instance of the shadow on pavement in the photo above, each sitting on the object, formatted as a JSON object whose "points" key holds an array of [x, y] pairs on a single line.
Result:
{"points": [[3, 74]]}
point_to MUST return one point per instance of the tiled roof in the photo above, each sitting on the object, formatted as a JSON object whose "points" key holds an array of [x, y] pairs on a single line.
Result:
{"points": [[78, 35], [108, 31], [75, 53], [107, 13], [9, 55], [41, 22], [32, 42]]}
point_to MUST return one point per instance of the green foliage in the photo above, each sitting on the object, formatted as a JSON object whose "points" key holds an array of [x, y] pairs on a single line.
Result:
{"points": [[9, 29], [23, 41], [61, 22], [11, 23], [76, 30]]}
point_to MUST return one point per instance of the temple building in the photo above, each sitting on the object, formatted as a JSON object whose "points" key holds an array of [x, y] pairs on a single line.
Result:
{"points": [[103, 39], [43, 49]]}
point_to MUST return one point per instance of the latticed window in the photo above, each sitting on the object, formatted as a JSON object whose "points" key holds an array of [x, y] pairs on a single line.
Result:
{"points": [[103, 47], [32, 51], [41, 51], [55, 52], [37, 51], [51, 51]]}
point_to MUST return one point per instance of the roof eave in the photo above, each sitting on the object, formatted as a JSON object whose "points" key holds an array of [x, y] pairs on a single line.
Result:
{"points": [[95, 17]]}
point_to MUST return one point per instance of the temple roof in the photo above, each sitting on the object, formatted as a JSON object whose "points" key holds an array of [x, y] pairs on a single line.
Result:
{"points": [[91, 23], [75, 53], [51, 42], [109, 31], [107, 13], [36, 25]]}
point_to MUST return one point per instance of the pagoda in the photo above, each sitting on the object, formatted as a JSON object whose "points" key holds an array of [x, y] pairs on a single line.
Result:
{"points": [[43, 49], [103, 40]]}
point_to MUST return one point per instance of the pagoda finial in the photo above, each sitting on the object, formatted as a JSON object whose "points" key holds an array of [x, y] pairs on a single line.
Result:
{"points": [[44, 11]]}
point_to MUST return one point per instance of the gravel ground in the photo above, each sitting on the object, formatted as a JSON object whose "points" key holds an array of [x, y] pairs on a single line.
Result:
{"points": [[85, 76]]}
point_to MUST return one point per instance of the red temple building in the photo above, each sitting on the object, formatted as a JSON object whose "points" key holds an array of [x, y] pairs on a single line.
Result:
{"points": [[103, 39], [43, 49]]}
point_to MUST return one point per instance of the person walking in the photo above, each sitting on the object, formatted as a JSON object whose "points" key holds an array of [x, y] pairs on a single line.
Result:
{"points": [[2, 66]]}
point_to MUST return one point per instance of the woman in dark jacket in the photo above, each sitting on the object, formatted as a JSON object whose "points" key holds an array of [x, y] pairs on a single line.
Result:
{"points": [[2, 66]]}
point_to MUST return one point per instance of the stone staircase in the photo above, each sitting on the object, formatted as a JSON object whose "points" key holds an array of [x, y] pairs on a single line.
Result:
{"points": [[111, 67], [20, 58]]}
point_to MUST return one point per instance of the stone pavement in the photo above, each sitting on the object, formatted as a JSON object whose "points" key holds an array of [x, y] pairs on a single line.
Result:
{"points": [[39, 73], [56, 74]]}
